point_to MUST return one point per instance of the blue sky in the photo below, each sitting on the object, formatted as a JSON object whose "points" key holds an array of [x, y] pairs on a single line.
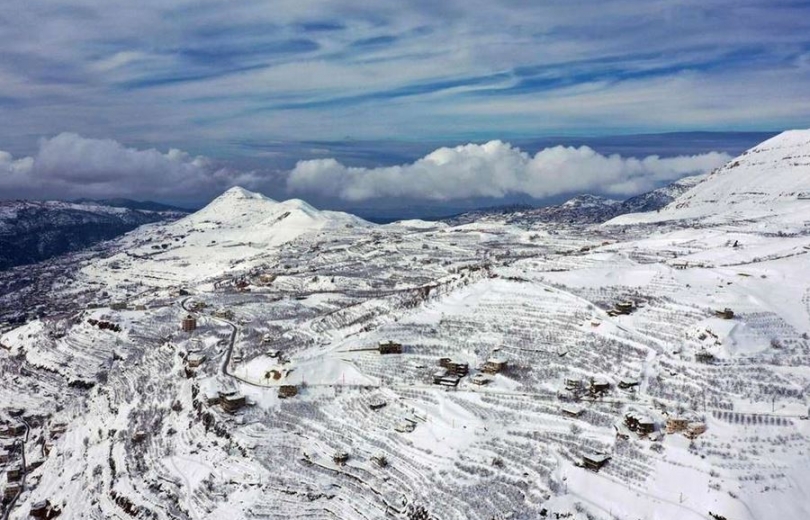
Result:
{"points": [[248, 84]]}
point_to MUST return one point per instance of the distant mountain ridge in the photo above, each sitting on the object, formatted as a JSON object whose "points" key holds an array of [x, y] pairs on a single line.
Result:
{"points": [[582, 209], [143, 205], [33, 231]]}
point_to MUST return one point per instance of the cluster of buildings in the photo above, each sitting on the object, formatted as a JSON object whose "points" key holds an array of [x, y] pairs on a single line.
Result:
{"points": [[645, 426], [231, 401], [10, 459], [451, 371]]}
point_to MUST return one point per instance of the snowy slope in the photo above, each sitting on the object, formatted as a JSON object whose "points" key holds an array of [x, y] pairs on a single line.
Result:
{"points": [[768, 181], [234, 228], [32, 231]]}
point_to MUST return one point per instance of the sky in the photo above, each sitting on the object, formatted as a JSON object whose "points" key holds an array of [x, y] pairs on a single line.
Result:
{"points": [[350, 103]]}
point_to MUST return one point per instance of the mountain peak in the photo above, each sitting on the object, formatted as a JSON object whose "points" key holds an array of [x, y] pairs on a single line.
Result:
{"points": [[238, 192]]}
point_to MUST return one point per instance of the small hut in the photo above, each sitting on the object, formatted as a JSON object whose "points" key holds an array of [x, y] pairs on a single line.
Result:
{"points": [[726, 314], [340, 457], [570, 410]]}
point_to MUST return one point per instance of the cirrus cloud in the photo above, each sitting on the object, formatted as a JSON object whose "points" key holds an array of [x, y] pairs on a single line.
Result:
{"points": [[497, 169]]}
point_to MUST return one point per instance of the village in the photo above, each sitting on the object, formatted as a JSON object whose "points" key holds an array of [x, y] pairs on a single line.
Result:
{"points": [[522, 372]]}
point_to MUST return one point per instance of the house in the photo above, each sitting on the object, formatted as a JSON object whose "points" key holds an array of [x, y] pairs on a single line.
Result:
{"points": [[118, 306], [445, 378], [570, 410], [726, 314], [225, 314], [694, 429], [189, 323], [481, 379], [285, 391], [641, 424], [140, 307], [676, 424], [599, 385], [494, 365], [390, 347], [458, 369], [377, 404], [231, 402], [704, 356], [572, 383], [11, 491], [340, 457], [14, 473], [195, 359], [57, 429], [4, 456], [210, 396], [628, 382], [13, 430], [42, 509], [625, 307], [680, 265], [406, 425], [594, 461]]}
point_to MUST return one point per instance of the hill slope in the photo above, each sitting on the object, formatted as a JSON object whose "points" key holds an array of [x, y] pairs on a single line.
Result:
{"points": [[772, 179], [32, 231], [235, 228]]}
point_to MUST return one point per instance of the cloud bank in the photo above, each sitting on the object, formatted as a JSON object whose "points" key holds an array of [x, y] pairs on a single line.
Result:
{"points": [[70, 166], [498, 169]]}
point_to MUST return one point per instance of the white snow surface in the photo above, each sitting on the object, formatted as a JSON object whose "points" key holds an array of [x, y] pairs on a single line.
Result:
{"points": [[145, 435]]}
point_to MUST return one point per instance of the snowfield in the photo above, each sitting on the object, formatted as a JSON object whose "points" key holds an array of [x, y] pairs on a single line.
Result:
{"points": [[671, 348]]}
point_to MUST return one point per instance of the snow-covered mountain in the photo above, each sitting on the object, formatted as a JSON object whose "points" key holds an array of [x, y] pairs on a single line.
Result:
{"points": [[263, 359], [582, 209], [770, 182], [236, 227], [32, 231]]}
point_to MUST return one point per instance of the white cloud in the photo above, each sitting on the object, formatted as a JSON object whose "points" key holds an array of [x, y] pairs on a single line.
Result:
{"points": [[70, 165], [497, 169]]}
